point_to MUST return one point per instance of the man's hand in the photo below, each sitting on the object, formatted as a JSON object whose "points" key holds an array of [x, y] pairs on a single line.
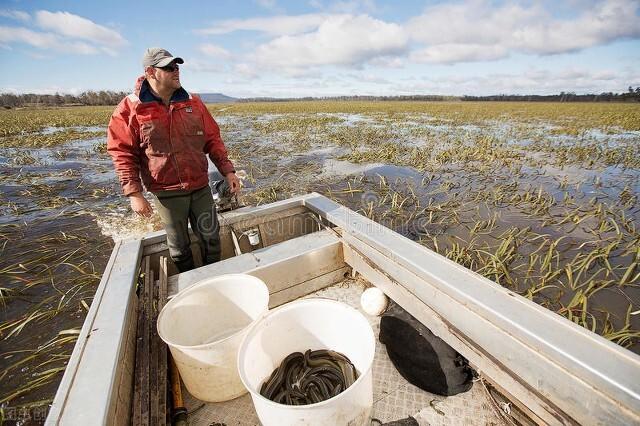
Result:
{"points": [[233, 182], [140, 205]]}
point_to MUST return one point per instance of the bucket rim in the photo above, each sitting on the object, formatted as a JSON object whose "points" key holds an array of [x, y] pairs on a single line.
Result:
{"points": [[204, 283], [288, 306]]}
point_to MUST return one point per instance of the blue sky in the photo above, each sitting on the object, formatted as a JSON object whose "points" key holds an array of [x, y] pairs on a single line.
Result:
{"points": [[326, 48]]}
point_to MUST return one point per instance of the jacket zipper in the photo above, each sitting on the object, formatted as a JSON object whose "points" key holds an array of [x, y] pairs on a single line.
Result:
{"points": [[173, 154]]}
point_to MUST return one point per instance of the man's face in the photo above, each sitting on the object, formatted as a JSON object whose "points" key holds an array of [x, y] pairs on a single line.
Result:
{"points": [[168, 77]]}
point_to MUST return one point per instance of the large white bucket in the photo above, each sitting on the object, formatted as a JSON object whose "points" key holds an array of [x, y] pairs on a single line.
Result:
{"points": [[204, 326], [296, 327]]}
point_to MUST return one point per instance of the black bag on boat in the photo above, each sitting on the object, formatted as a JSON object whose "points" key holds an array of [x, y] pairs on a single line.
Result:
{"points": [[422, 358]]}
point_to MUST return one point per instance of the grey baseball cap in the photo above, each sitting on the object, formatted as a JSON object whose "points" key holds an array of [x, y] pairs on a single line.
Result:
{"points": [[158, 57]]}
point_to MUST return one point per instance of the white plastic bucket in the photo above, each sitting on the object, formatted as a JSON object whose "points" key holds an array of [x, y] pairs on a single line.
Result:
{"points": [[296, 327], [204, 326]]}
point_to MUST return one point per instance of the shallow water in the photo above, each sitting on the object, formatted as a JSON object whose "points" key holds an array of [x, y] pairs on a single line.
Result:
{"points": [[67, 206], [457, 187]]}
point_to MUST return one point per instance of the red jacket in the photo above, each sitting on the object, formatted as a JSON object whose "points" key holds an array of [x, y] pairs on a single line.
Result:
{"points": [[166, 146]]}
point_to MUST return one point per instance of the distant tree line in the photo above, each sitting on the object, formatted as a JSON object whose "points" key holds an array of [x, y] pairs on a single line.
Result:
{"points": [[356, 98], [108, 97], [631, 95], [103, 97]]}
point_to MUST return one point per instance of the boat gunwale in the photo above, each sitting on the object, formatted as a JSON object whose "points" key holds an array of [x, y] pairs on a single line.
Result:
{"points": [[488, 301], [80, 371], [606, 370]]}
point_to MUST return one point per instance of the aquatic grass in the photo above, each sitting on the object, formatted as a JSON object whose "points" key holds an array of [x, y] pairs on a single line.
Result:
{"points": [[496, 192], [625, 335], [40, 140], [23, 158], [538, 197], [295, 123], [42, 378], [63, 262], [277, 190], [630, 276], [485, 226], [387, 152], [100, 147], [13, 328], [31, 120], [60, 155], [571, 115]]}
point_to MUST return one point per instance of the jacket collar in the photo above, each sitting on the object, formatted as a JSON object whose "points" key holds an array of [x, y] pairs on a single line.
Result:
{"points": [[145, 94]]}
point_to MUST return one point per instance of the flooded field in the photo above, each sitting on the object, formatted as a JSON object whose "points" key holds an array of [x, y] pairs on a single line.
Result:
{"points": [[541, 198]]}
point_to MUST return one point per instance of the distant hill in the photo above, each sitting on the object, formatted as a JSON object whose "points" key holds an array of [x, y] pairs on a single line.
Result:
{"points": [[213, 98]]}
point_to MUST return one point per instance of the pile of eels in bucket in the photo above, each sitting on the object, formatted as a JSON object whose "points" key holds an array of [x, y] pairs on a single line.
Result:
{"points": [[308, 378]]}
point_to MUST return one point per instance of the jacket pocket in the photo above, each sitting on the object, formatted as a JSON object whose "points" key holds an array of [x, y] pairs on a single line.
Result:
{"points": [[162, 170], [193, 128], [192, 166]]}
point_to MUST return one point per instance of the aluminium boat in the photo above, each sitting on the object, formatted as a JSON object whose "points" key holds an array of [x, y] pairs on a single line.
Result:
{"points": [[544, 367]]}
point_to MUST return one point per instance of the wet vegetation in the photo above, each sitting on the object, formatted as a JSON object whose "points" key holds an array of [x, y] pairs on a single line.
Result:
{"points": [[27, 123], [541, 198], [54, 182]]}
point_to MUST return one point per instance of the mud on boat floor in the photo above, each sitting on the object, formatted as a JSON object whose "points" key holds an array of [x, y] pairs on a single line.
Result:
{"points": [[393, 397]]}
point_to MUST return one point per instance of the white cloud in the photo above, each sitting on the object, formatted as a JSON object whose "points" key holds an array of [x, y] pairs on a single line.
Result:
{"points": [[49, 90], [446, 33], [220, 64], [44, 41], [214, 51], [274, 25], [18, 15], [246, 70], [13, 34], [475, 30], [608, 21], [387, 62], [534, 81], [74, 26], [67, 33], [200, 65], [470, 21], [370, 78], [339, 40], [451, 53]]}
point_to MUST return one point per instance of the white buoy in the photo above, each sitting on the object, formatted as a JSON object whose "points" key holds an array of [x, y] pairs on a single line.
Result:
{"points": [[374, 301]]}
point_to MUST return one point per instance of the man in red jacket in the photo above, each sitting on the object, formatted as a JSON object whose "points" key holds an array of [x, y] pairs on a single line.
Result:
{"points": [[159, 136]]}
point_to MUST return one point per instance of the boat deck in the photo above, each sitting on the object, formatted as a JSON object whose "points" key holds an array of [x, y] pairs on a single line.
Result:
{"points": [[394, 398]]}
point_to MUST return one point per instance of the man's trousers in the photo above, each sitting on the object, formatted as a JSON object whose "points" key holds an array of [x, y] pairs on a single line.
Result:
{"points": [[179, 208]]}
